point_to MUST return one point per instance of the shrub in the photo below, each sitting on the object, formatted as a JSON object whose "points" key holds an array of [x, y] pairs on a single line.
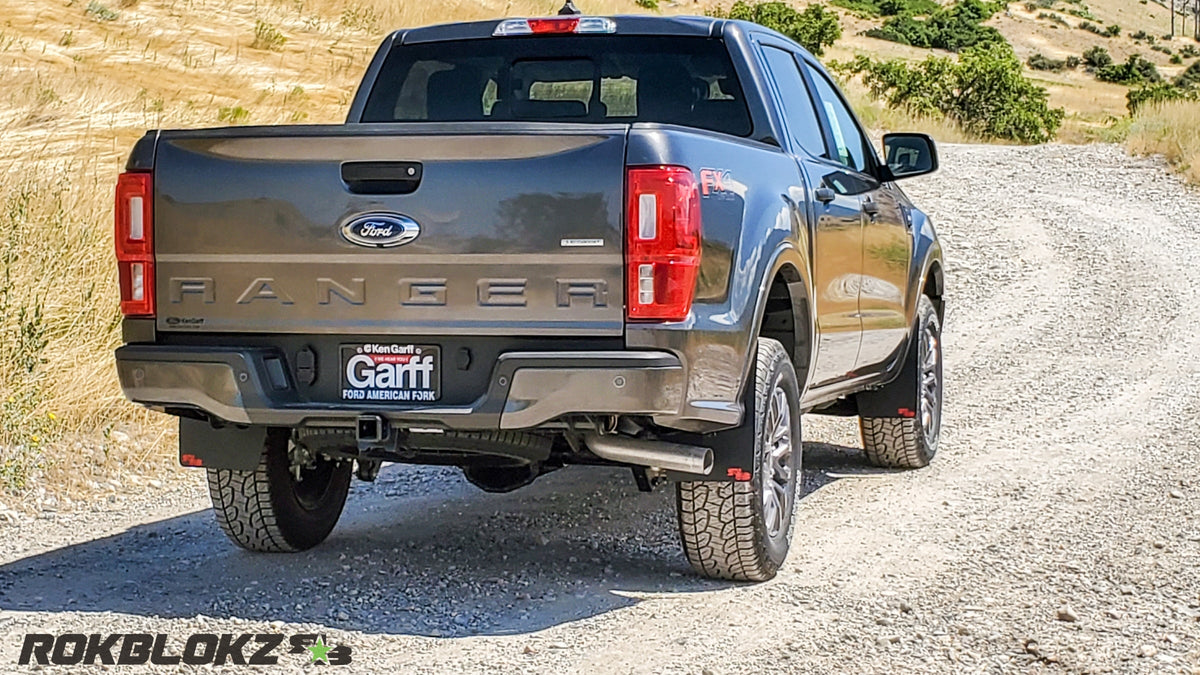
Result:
{"points": [[953, 28], [1156, 94], [1162, 48], [1040, 61], [1097, 57], [1054, 17], [235, 114], [815, 28], [887, 7], [99, 12], [1083, 13], [360, 18], [1176, 59], [647, 4], [1135, 70], [984, 92], [1190, 77], [892, 7], [1111, 31], [1073, 62], [1189, 52], [267, 37]]}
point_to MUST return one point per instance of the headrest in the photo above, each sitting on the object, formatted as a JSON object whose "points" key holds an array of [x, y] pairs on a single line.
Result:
{"points": [[455, 95]]}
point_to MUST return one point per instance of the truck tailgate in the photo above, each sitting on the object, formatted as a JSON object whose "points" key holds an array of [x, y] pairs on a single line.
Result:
{"points": [[310, 230]]}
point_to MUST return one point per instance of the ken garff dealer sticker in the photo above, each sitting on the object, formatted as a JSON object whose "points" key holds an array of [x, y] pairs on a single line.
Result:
{"points": [[380, 230]]}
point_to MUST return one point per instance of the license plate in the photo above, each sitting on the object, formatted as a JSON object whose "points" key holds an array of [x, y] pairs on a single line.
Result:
{"points": [[391, 372]]}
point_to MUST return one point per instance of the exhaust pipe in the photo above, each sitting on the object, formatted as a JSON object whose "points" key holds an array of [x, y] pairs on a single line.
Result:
{"points": [[657, 454]]}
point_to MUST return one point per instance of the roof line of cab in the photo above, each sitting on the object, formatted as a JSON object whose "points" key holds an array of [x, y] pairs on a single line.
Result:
{"points": [[627, 24]]}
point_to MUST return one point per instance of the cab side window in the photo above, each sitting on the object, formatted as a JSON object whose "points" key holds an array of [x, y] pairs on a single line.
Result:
{"points": [[802, 121], [848, 142]]}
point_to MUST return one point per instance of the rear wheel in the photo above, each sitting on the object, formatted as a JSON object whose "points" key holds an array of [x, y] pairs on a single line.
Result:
{"points": [[275, 509], [911, 442], [741, 530]]}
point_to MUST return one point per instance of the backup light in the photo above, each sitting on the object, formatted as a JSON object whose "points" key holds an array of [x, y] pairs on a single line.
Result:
{"points": [[555, 26]]}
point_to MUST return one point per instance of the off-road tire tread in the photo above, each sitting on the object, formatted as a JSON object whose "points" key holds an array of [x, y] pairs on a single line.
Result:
{"points": [[718, 530], [894, 443], [716, 519], [898, 442], [242, 503]]}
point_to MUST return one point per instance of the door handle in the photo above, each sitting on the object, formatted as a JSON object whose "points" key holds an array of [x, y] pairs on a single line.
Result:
{"points": [[870, 207], [825, 195], [382, 178]]}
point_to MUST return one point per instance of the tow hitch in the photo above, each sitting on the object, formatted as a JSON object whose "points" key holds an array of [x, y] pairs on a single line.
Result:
{"points": [[371, 431]]}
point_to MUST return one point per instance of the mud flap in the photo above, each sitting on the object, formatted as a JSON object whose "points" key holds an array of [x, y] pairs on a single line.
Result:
{"points": [[237, 448], [897, 398], [733, 449]]}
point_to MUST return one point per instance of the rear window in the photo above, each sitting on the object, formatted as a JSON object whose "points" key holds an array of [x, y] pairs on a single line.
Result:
{"points": [[602, 79]]}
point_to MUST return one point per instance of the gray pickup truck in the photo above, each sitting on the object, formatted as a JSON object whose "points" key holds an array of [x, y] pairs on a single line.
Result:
{"points": [[635, 241]]}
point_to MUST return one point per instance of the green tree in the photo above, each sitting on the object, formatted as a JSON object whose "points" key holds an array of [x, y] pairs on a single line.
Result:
{"points": [[984, 91], [815, 28]]}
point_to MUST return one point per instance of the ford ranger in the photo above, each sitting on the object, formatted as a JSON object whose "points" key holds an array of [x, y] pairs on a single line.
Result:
{"points": [[631, 241]]}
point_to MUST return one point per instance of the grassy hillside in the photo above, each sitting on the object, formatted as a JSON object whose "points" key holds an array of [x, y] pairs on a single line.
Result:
{"points": [[1090, 104], [80, 80]]}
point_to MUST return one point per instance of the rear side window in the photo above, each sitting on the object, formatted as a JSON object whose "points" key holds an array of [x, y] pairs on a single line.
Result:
{"points": [[686, 81], [802, 119]]}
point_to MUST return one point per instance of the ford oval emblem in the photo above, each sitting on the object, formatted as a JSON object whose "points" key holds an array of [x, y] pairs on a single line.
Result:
{"points": [[381, 230]]}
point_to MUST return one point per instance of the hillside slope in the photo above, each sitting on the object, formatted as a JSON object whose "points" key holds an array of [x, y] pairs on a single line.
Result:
{"points": [[80, 81], [1090, 103]]}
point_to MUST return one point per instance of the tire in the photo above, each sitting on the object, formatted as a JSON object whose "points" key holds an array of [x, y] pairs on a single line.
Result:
{"points": [[730, 529], [911, 442], [268, 511]]}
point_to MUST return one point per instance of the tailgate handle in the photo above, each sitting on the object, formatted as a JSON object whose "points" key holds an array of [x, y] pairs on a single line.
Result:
{"points": [[382, 178]]}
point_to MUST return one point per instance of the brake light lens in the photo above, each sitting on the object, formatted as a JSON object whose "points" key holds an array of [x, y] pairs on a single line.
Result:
{"points": [[134, 237], [555, 26], [662, 248]]}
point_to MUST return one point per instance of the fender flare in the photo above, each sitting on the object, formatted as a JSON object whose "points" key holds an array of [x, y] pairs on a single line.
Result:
{"points": [[785, 257]]}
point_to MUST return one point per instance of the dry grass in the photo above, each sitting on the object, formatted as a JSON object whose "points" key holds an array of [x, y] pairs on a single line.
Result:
{"points": [[1171, 130], [77, 87], [80, 81], [879, 118]]}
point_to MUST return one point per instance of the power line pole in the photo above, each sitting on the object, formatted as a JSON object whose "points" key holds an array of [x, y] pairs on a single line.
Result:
{"points": [[1172, 19]]}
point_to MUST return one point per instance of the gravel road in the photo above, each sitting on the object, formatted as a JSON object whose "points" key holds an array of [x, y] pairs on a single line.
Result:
{"points": [[1057, 530]]}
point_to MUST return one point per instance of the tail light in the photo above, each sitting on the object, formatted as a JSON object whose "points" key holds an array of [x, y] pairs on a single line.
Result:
{"points": [[662, 243], [134, 237]]}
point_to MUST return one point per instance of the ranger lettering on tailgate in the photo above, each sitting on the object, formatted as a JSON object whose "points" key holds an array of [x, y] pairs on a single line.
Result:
{"points": [[537, 243]]}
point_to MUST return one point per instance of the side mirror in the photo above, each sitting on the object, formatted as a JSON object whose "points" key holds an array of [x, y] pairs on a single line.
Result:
{"points": [[909, 155]]}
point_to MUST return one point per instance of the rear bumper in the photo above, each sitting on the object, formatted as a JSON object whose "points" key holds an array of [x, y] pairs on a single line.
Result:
{"points": [[525, 390]]}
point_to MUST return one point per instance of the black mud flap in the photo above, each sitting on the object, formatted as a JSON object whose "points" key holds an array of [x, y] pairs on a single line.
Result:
{"points": [[897, 398], [733, 449], [231, 447]]}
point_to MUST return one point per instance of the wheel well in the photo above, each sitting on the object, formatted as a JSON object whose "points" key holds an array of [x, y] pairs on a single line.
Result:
{"points": [[933, 287], [785, 312]]}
